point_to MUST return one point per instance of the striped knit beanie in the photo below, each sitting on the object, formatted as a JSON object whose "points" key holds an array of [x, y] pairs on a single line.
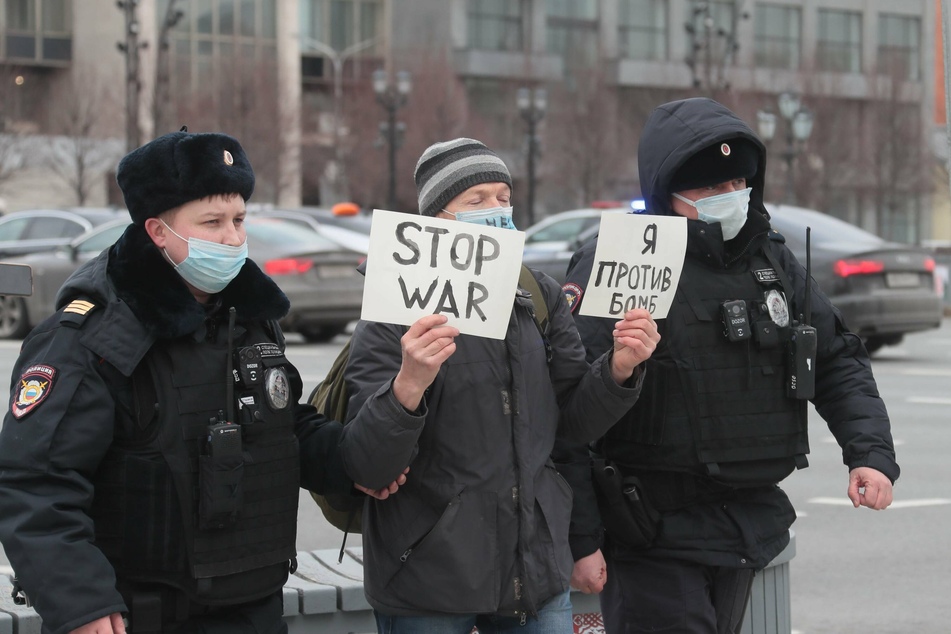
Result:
{"points": [[447, 169]]}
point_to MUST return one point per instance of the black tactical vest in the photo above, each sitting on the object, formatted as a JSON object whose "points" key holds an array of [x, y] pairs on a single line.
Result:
{"points": [[166, 509], [711, 406]]}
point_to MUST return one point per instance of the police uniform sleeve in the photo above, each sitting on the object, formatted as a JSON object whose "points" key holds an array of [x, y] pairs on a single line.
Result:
{"points": [[57, 428], [847, 395]]}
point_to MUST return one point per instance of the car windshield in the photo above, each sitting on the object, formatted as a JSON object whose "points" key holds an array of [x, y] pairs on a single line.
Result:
{"points": [[287, 234], [563, 230], [100, 240]]}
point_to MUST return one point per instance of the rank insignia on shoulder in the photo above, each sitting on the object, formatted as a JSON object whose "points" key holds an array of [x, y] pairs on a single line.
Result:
{"points": [[79, 306], [573, 294], [76, 312], [32, 389]]}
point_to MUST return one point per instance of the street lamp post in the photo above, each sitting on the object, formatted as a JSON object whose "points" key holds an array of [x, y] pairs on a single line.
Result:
{"points": [[531, 106], [392, 97], [798, 129], [337, 58]]}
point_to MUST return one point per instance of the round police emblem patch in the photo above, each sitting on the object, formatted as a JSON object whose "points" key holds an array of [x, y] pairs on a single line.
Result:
{"points": [[573, 295], [32, 389], [277, 388], [778, 310]]}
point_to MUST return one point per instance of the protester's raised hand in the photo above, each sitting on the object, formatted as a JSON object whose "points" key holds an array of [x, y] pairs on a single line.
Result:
{"points": [[635, 339], [426, 345]]}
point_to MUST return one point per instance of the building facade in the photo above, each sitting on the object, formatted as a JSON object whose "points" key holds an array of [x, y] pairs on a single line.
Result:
{"points": [[293, 80]]}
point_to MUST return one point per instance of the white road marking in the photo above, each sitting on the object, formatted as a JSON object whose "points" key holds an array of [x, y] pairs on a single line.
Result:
{"points": [[925, 372], [928, 400], [900, 504]]}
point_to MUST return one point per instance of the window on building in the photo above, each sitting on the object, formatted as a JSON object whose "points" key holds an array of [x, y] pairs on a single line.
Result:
{"points": [[37, 31], [778, 36], [573, 31], [713, 27], [206, 41], [341, 24], [899, 45], [839, 46], [496, 25], [642, 29]]}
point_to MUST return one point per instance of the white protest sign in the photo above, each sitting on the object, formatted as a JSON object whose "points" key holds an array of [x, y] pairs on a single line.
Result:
{"points": [[419, 266], [637, 264]]}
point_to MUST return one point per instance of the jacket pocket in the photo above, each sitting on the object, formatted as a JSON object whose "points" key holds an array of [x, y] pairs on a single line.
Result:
{"points": [[550, 569], [453, 568]]}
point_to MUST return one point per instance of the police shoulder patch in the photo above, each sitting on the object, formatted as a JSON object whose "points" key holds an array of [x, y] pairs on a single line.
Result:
{"points": [[32, 389], [573, 294]]}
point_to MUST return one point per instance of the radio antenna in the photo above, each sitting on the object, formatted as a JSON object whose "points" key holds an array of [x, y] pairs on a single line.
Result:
{"points": [[807, 304]]}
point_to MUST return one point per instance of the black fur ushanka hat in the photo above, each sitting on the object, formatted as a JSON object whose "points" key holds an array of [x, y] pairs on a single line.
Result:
{"points": [[179, 167]]}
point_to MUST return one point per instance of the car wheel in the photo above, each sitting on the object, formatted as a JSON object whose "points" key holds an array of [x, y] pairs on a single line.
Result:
{"points": [[13, 320], [321, 334]]}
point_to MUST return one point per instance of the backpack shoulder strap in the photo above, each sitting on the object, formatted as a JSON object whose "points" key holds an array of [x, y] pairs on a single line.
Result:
{"points": [[526, 280]]}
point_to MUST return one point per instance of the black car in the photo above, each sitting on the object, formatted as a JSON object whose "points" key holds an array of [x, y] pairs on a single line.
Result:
{"points": [[883, 289]]}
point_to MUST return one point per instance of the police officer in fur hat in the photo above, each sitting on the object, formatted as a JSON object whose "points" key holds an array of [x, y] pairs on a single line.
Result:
{"points": [[153, 449], [722, 416]]}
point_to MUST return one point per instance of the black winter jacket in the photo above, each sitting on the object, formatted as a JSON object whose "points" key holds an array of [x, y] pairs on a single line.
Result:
{"points": [[481, 526], [752, 528], [49, 457]]}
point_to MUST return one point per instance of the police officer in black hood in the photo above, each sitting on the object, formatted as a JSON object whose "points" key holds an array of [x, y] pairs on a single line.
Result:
{"points": [[722, 415], [153, 449]]}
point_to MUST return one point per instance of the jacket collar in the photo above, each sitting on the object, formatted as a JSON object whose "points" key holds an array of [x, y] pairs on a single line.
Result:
{"points": [[161, 301]]}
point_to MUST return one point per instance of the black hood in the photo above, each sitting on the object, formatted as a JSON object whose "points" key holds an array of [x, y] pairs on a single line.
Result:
{"points": [[676, 131]]}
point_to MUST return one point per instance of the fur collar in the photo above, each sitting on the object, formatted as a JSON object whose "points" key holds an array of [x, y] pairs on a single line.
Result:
{"points": [[158, 297]]}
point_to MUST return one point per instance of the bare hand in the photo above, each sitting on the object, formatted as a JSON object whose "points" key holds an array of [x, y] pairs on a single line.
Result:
{"points": [[426, 345], [635, 339], [111, 624], [590, 573], [869, 487], [387, 491]]}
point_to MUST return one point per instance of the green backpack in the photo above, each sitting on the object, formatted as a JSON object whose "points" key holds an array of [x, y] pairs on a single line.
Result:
{"points": [[330, 397]]}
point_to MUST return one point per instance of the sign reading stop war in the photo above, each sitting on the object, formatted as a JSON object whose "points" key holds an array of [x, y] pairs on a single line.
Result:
{"points": [[419, 266], [637, 264]]}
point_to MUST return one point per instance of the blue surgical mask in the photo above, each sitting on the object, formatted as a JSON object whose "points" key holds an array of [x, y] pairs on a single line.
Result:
{"points": [[209, 266], [728, 209], [495, 217]]}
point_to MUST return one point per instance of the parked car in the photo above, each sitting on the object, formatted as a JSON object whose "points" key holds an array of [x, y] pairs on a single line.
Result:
{"points": [[550, 242], [317, 275], [344, 215], [347, 238], [883, 289], [34, 230]]}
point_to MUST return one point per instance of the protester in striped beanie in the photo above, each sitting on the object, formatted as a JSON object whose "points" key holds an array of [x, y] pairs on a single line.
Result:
{"points": [[449, 168]]}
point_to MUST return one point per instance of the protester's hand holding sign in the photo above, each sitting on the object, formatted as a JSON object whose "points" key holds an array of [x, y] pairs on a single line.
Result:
{"points": [[635, 339], [426, 345]]}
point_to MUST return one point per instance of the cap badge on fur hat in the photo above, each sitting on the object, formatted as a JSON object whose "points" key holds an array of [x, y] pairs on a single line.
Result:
{"points": [[180, 167], [725, 149]]}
